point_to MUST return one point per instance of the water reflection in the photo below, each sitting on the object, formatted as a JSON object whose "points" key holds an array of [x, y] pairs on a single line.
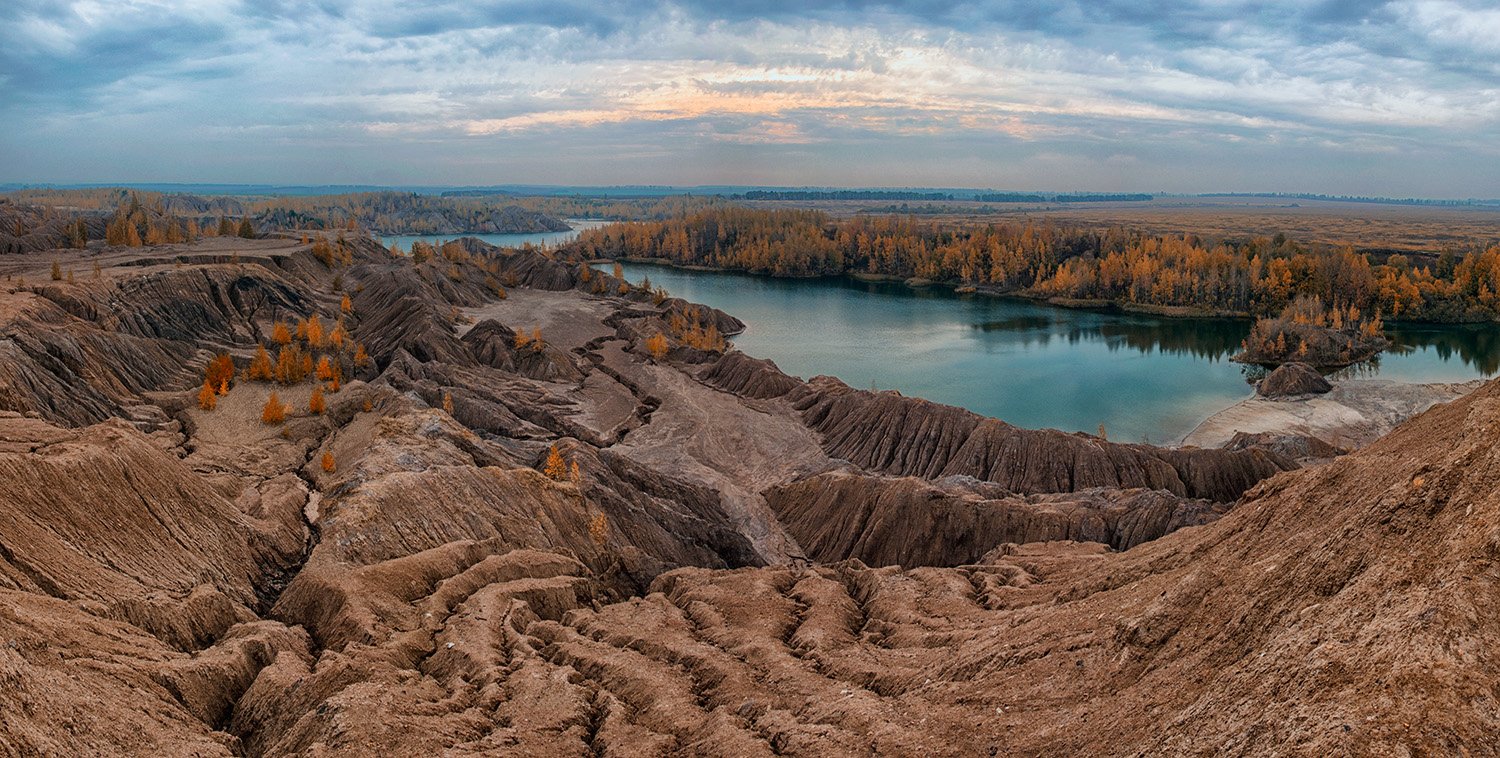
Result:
{"points": [[1207, 339], [1477, 345], [1031, 364]]}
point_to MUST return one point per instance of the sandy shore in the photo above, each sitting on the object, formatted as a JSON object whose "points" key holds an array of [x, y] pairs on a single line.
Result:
{"points": [[1354, 414]]}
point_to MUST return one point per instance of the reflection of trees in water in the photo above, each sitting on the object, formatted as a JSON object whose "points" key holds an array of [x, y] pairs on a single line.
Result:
{"points": [[1477, 346], [1199, 338], [1363, 370]]}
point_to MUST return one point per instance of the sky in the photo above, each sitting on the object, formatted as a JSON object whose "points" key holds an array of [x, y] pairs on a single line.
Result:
{"points": [[1398, 98]]}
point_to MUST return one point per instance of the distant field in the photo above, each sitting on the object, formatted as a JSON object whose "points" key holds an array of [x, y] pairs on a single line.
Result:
{"points": [[1367, 227]]}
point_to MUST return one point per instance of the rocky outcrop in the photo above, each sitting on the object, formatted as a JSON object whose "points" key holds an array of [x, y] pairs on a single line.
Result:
{"points": [[883, 521], [891, 434], [493, 344], [401, 312], [1295, 447], [105, 516], [71, 372], [1292, 379], [742, 375]]}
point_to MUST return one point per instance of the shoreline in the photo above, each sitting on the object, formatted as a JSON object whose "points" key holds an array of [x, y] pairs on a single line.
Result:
{"points": [[959, 288], [1354, 414]]}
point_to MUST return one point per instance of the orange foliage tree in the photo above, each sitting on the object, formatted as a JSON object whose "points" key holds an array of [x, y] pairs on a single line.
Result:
{"points": [[207, 398], [556, 468], [274, 411]]}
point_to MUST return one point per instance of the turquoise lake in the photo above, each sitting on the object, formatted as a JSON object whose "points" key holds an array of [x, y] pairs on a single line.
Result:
{"points": [[540, 239], [1033, 365]]}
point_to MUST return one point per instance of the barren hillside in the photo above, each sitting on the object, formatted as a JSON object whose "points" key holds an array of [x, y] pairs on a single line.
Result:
{"points": [[540, 513]]}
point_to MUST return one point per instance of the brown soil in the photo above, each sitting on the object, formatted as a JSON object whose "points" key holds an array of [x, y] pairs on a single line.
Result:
{"points": [[175, 581]]}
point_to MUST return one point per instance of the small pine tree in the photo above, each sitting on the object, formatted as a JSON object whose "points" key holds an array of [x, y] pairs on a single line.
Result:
{"points": [[56, 272], [327, 462], [346, 306], [556, 468], [274, 411], [325, 369], [207, 397], [448, 403], [247, 230], [314, 331], [361, 356], [226, 227], [280, 333], [315, 402], [575, 474]]}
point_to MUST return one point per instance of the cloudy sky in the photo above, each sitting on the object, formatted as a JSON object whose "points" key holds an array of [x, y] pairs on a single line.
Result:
{"points": [[1340, 96]]}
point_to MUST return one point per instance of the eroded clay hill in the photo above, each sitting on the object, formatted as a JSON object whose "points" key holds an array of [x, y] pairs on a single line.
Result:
{"points": [[522, 524]]}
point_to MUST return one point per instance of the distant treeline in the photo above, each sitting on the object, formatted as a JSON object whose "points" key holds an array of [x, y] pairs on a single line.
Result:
{"points": [[841, 195], [1259, 275], [1023, 197], [983, 197], [1425, 202], [477, 193], [381, 212]]}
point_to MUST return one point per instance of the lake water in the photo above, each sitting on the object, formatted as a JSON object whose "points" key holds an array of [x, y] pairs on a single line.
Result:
{"points": [[539, 239], [1033, 365]]}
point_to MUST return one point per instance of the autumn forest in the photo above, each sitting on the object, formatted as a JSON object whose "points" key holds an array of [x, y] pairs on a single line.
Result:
{"points": [[1259, 275]]}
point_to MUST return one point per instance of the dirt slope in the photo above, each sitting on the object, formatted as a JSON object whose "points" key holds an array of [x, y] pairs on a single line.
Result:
{"points": [[405, 573]]}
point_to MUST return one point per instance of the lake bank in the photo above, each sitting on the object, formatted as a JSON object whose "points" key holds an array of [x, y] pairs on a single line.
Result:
{"points": [[1354, 414], [1143, 377]]}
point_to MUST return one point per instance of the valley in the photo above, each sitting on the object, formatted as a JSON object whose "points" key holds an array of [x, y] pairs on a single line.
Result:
{"points": [[521, 526]]}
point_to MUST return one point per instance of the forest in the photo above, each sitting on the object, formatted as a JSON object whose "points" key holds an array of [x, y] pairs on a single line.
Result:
{"points": [[1257, 275]]}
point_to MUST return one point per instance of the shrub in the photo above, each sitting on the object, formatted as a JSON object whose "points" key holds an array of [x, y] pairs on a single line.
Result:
{"points": [[315, 402], [327, 462]]}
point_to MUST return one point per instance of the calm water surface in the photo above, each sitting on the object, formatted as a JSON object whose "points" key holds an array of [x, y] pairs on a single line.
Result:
{"points": [[1036, 366], [540, 239]]}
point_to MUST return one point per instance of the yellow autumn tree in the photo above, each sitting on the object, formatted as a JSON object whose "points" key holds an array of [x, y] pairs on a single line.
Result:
{"points": [[260, 365], [327, 462], [315, 402], [280, 334], [657, 346], [325, 369], [556, 468], [207, 397], [218, 373], [274, 411]]}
